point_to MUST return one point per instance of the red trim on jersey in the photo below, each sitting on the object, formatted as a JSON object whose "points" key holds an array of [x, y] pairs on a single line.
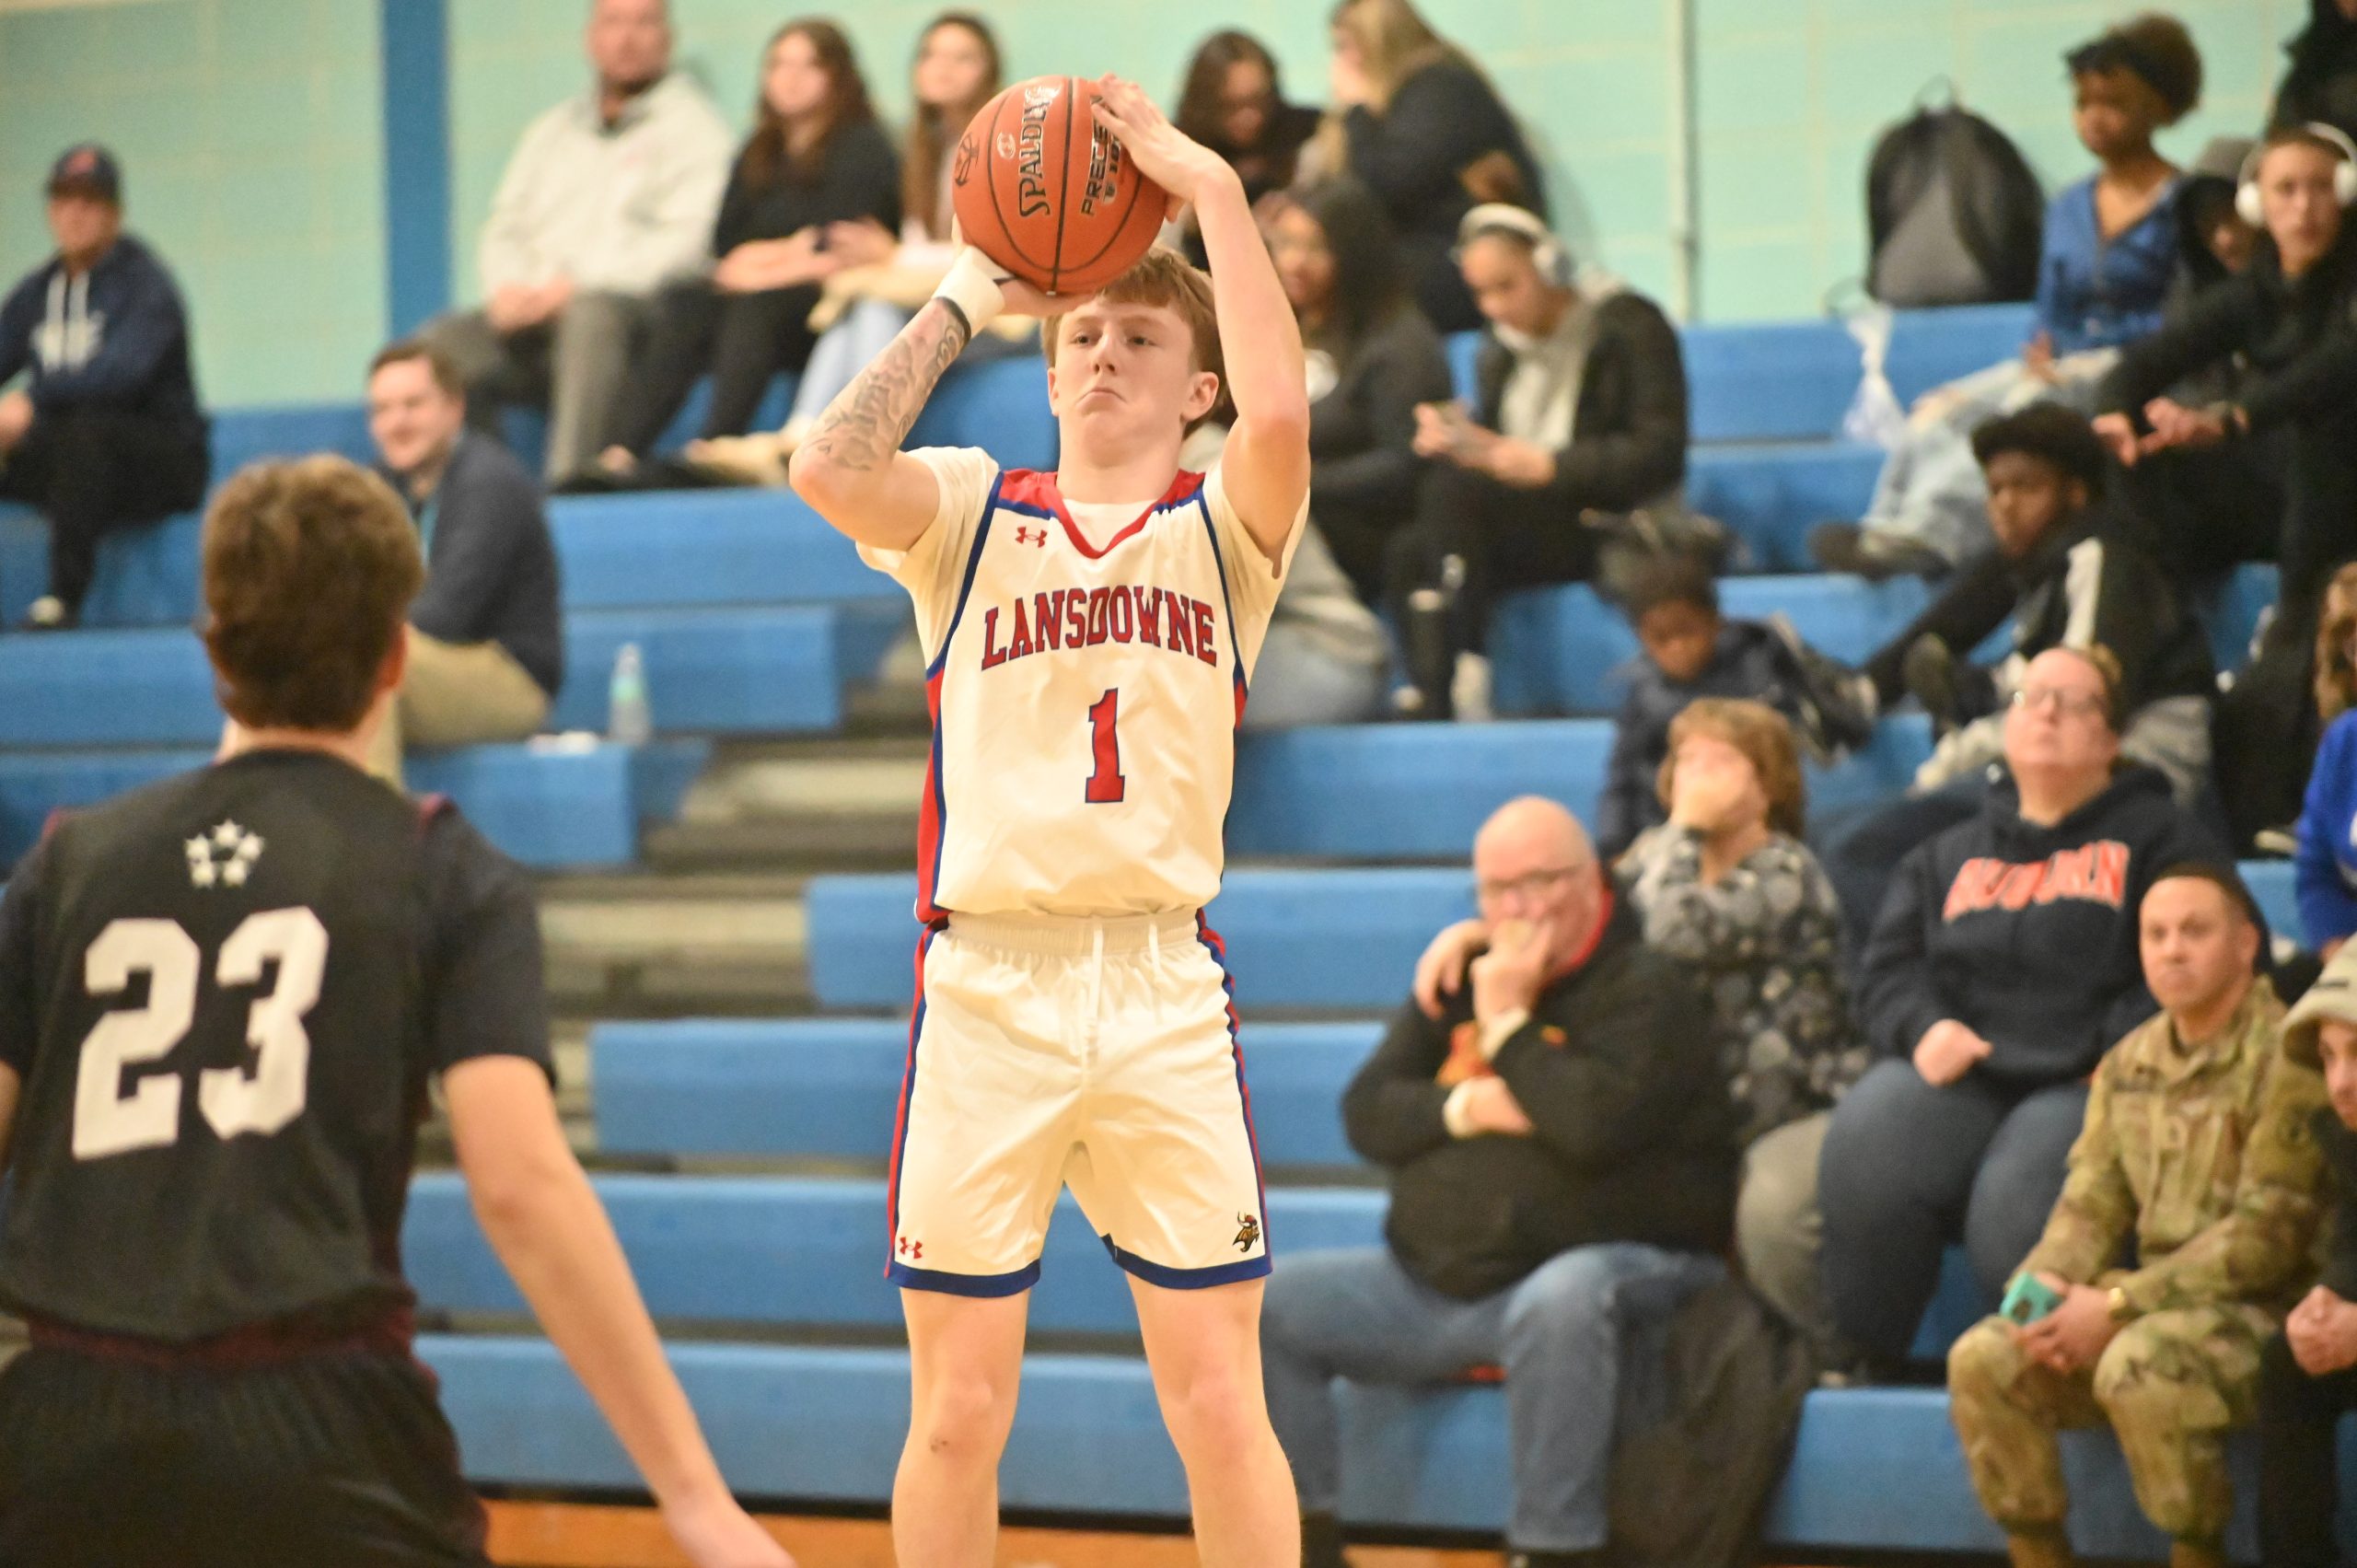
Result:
{"points": [[1035, 491], [900, 1119], [933, 811]]}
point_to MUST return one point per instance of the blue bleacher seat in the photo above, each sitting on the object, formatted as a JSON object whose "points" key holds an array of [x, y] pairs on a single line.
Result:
{"points": [[1323, 940], [2272, 884], [550, 808], [706, 547], [1771, 495], [741, 669], [829, 1087]]}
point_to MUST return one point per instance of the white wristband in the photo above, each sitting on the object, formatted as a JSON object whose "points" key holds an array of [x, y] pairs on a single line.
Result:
{"points": [[1456, 1111], [971, 285]]}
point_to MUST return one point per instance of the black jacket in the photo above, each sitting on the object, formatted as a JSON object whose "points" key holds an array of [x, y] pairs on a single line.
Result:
{"points": [[2297, 338], [1629, 432], [1634, 1129], [859, 177], [491, 573], [1441, 122], [119, 339], [1749, 660], [2321, 83], [1362, 466], [2027, 935], [2338, 1146]]}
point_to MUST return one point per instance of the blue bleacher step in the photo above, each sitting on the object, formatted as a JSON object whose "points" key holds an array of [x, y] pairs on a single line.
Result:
{"points": [[1770, 497], [706, 547], [551, 808], [1872, 1468], [1323, 940], [733, 670], [1420, 792], [829, 1087]]}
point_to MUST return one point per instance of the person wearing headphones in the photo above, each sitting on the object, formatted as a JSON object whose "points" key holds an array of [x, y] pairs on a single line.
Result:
{"points": [[1575, 444], [2272, 473]]}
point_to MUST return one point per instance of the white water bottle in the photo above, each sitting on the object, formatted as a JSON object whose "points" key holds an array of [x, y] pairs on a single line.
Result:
{"points": [[629, 722]]}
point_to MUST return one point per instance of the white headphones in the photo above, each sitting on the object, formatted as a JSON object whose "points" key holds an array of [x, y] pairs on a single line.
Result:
{"points": [[1547, 252], [2253, 211]]}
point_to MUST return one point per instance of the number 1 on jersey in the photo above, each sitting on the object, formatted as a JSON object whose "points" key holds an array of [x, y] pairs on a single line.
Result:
{"points": [[1105, 785]]}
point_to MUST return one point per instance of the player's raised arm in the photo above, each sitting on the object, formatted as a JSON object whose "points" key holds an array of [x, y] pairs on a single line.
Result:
{"points": [[1266, 462], [851, 467]]}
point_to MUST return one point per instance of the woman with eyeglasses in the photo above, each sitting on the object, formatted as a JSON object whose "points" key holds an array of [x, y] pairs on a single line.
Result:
{"points": [[2005, 963], [2326, 874]]}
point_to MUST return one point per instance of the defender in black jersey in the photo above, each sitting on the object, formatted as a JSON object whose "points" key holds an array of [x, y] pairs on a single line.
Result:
{"points": [[222, 1000]]}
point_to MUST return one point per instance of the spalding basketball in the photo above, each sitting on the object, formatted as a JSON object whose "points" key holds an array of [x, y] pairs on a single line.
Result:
{"points": [[1047, 192]]}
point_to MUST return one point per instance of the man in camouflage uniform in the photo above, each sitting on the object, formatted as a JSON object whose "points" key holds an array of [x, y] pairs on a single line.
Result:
{"points": [[2197, 1150]]}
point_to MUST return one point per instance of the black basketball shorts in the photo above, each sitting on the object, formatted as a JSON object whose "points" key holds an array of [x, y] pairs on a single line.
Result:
{"points": [[341, 1459]]}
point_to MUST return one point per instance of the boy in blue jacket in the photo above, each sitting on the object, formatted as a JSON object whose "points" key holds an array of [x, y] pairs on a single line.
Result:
{"points": [[106, 433]]}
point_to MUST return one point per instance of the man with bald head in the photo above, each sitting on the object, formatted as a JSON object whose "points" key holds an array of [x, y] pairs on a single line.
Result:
{"points": [[1562, 1150]]}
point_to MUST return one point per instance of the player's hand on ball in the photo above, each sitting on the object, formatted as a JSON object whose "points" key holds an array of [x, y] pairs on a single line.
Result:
{"points": [[1163, 153], [717, 1533]]}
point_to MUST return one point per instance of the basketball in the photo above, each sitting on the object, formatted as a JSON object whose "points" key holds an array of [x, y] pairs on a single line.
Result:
{"points": [[1047, 192]]}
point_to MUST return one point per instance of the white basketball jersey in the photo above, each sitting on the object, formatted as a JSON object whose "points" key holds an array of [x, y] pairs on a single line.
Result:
{"points": [[1084, 696]]}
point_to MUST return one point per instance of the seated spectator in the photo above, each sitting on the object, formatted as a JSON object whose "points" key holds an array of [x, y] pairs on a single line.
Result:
{"points": [[2109, 252], [2308, 1378], [106, 433], [883, 281], [1233, 103], [2287, 316], [486, 647], [2063, 581], [1728, 889], [2321, 82], [2003, 964], [1372, 357], [817, 169], [1572, 460], [2273, 475], [608, 200], [1689, 651], [2181, 1239], [1563, 1174], [1423, 127], [2325, 873]]}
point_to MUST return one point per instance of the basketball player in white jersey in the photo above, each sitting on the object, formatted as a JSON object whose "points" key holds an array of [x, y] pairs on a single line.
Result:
{"points": [[1090, 634]]}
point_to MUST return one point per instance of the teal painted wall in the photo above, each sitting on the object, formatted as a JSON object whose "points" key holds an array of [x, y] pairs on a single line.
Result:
{"points": [[252, 149], [1790, 95], [252, 129]]}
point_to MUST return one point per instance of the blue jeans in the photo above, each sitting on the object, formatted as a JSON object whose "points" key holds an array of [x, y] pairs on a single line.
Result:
{"points": [[1357, 1314], [1909, 1168]]}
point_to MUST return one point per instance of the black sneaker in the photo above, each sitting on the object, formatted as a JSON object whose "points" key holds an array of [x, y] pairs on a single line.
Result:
{"points": [[1321, 1542], [1871, 553], [1928, 675], [1838, 706]]}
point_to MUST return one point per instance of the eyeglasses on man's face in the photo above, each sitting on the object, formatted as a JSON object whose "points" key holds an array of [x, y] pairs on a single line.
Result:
{"points": [[1529, 885], [2070, 704]]}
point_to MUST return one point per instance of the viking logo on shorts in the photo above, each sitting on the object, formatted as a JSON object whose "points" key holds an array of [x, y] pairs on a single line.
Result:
{"points": [[1248, 1231]]}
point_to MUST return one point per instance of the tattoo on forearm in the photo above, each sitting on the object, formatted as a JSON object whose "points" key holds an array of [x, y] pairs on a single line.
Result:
{"points": [[870, 419]]}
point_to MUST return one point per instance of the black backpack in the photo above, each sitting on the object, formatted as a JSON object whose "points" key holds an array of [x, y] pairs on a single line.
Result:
{"points": [[1700, 1444], [1954, 213]]}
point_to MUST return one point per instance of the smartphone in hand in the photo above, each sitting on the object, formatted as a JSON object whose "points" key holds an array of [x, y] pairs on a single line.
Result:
{"points": [[2028, 1299]]}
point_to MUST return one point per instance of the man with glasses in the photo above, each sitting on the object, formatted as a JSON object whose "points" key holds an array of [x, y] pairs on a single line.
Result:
{"points": [[1561, 1145], [2004, 962]]}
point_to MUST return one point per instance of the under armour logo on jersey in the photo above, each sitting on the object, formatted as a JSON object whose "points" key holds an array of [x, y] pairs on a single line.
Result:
{"points": [[1030, 536], [1248, 1231], [221, 858], [912, 1249]]}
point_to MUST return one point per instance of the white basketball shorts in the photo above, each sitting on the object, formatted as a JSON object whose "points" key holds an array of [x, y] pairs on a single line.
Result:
{"points": [[1093, 1054]]}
